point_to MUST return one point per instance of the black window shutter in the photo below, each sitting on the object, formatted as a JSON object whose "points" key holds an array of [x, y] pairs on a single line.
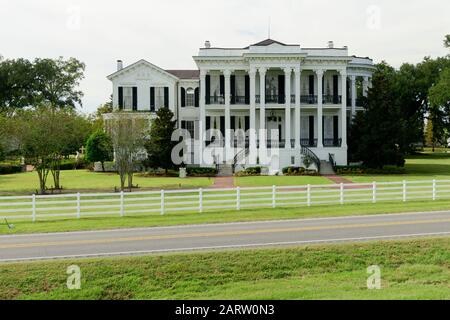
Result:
{"points": [[183, 124], [207, 89], [247, 89], [135, 98], [152, 99], [222, 85], [197, 97], [335, 129], [233, 89], [281, 90], [335, 89], [183, 97], [120, 98], [247, 123], [311, 84], [222, 125], [166, 97], [233, 123], [311, 130], [208, 123]]}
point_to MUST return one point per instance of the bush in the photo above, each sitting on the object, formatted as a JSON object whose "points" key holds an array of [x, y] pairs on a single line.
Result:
{"points": [[10, 169], [201, 172], [251, 171], [71, 164], [360, 170], [298, 171]]}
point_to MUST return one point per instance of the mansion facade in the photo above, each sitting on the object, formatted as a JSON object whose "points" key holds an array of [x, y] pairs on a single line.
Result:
{"points": [[296, 100]]}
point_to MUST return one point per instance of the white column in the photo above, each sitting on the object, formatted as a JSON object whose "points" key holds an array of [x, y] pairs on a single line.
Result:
{"points": [[262, 108], [297, 107], [319, 74], [227, 75], [202, 126], [252, 134], [344, 108], [353, 80], [287, 91], [365, 86]]}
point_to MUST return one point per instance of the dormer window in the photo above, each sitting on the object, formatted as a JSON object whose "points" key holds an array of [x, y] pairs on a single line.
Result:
{"points": [[190, 97]]}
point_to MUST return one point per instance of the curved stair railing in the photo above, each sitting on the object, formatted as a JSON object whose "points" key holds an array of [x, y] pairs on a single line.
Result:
{"points": [[308, 152], [241, 155]]}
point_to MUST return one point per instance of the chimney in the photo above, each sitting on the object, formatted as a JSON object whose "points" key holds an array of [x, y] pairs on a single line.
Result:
{"points": [[119, 65], [207, 44], [330, 44]]}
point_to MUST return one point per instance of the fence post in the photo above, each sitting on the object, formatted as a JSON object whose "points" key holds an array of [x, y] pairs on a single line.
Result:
{"points": [[162, 202], [434, 189], [238, 198], [404, 191], [308, 195], [122, 206], [200, 200], [374, 192], [342, 194], [78, 205], [33, 208], [274, 196]]}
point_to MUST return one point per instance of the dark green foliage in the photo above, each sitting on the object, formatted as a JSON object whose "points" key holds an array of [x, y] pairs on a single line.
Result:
{"points": [[380, 134], [251, 171], [9, 169], [201, 172], [344, 170], [298, 171], [99, 148], [159, 144]]}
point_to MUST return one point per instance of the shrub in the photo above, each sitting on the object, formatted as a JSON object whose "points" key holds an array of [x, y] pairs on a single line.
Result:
{"points": [[10, 169], [360, 170], [201, 172], [71, 164], [251, 171], [298, 171]]}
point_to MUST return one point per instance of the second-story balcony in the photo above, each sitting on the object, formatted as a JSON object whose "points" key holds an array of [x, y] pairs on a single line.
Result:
{"points": [[308, 99], [332, 99], [216, 100]]}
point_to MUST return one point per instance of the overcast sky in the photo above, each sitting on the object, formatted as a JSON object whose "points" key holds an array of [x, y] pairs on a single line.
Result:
{"points": [[169, 32]]}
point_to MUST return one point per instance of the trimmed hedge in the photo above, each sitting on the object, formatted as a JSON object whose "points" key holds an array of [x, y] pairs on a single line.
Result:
{"points": [[344, 170], [298, 171], [10, 169], [251, 171], [201, 172], [70, 164]]}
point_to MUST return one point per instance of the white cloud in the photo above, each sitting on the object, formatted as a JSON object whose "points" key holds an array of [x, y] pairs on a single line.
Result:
{"points": [[168, 33]]}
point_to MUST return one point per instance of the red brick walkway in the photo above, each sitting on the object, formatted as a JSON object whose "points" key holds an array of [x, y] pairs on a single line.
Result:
{"points": [[338, 179], [223, 182]]}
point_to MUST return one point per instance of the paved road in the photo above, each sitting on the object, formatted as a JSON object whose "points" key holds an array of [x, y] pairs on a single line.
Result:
{"points": [[221, 236]]}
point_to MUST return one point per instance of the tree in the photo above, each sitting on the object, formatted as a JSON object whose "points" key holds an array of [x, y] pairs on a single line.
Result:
{"points": [[127, 136], [381, 137], [99, 148], [97, 117], [447, 41], [159, 145], [52, 82]]}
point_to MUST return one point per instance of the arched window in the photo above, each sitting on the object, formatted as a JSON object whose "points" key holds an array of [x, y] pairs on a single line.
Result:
{"points": [[190, 97]]}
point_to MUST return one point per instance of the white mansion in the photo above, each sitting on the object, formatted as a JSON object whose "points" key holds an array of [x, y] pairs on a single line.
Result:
{"points": [[277, 96]]}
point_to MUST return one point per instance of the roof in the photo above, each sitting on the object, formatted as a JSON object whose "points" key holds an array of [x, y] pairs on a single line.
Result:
{"points": [[118, 72], [185, 74], [269, 42]]}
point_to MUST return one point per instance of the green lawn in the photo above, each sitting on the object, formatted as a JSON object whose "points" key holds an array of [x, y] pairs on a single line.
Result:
{"points": [[87, 180], [425, 166], [416, 269], [218, 216], [279, 181]]}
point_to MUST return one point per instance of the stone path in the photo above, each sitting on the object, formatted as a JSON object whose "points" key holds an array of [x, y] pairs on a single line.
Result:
{"points": [[338, 179], [223, 182]]}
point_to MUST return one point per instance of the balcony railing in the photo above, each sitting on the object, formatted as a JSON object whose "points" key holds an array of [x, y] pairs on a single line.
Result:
{"points": [[240, 100], [332, 143], [275, 98], [311, 143], [308, 99], [332, 99], [216, 100]]}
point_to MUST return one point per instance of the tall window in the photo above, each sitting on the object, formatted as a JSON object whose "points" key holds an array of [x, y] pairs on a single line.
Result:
{"points": [[190, 97], [159, 98], [190, 128], [128, 98]]}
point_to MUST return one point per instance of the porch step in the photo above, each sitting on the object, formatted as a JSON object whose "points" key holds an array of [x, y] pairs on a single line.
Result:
{"points": [[225, 170], [326, 168]]}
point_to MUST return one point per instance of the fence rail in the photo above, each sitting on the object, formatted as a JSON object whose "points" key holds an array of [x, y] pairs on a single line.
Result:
{"points": [[161, 202]]}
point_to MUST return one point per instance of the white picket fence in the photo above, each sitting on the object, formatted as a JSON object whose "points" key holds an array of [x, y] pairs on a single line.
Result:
{"points": [[201, 200]]}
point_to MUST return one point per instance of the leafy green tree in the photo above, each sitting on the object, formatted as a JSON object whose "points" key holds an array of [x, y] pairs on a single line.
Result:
{"points": [[447, 41], [159, 145], [99, 148], [380, 136], [16, 84]]}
